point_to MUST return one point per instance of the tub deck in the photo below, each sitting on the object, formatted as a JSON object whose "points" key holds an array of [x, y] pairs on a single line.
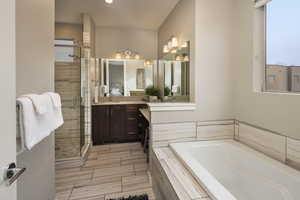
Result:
{"points": [[171, 180]]}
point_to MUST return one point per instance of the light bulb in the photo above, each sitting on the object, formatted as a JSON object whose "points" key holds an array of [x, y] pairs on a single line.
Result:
{"points": [[186, 59], [166, 49], [109, 1], [118, 56], [178, 58], [174, 41], [148, 63], [184, 45], [137, 56], [169, 44]]}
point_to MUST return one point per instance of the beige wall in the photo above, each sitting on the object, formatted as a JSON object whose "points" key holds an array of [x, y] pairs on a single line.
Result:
{"points": [[277, 112], [35, 74], [212, 66], [8, 92], [109, 40], [214, 59]]}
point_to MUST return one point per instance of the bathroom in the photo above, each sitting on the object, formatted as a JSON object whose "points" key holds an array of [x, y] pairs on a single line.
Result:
{"points": [[173, 99]]}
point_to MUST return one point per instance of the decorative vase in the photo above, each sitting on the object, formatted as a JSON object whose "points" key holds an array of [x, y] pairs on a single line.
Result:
{"points": [[152, 98]]}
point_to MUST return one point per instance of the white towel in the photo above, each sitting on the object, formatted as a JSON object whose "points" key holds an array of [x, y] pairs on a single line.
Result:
{"points": [[55, 99], [34, 127], [41, 103]]}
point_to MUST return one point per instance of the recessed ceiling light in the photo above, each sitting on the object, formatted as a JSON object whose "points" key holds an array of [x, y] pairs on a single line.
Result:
{"points": [[109, 1]]}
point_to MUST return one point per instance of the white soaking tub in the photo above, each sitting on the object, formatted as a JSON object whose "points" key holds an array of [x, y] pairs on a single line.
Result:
{"points": [[229, 170]]}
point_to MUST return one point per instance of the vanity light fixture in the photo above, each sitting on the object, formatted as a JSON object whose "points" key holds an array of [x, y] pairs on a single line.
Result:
{"points": [[171, 46], [127, 54], [109, 1]]}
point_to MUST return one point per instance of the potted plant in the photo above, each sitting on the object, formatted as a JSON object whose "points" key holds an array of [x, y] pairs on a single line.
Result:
{"points": [[152, 93], [167, 92]]}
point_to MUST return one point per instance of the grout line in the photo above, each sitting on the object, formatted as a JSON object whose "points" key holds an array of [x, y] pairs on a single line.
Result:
{"points": [[134, 169], [93, 174], [286, 149], [70, 193], [122, 187]]}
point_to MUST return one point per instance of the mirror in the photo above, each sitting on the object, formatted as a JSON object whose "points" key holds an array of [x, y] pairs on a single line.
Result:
{"points": [[176, 78], [125, 77], [175, 66]]}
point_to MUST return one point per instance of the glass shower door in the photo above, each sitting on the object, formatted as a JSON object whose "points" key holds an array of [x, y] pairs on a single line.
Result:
{"points": [[85, 103]]}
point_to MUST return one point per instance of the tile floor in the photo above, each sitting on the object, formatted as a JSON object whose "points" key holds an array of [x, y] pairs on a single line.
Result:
{"points": [[111, 171]]}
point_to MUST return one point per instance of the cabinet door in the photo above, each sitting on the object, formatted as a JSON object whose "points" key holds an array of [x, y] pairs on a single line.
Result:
{"points": [[100, 125], [117, 123], [132, 115]]}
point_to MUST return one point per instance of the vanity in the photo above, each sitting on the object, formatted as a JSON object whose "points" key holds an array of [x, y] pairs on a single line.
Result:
{"points": [[118, 85], [116, 122]]}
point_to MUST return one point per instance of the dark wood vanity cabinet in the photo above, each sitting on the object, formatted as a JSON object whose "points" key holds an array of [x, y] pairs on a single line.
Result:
{"points": [[101, 125], [115, 123]]}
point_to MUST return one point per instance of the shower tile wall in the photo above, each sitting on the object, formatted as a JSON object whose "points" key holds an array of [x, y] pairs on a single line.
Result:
{"points": [[67, 84]]}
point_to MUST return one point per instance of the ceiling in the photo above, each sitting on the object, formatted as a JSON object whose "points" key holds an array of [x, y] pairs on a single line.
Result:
{"points": [[144, 14]]}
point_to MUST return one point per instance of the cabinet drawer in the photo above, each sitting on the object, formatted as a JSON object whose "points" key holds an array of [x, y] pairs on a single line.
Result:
{"points": [[132, 118], [132, 133], [132, 108]]}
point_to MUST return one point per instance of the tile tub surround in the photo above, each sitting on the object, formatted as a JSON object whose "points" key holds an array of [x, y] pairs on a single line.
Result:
{"points": [[163, 134], [111, 171], [275, 145], [216, 130], [293, 153], [264, 141], [172, 180]]}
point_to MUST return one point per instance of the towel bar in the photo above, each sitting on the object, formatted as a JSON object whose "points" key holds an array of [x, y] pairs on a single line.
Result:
{"points": [[19, 140]]}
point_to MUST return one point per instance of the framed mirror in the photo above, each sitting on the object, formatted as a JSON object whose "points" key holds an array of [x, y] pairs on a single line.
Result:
{"points": [[125, 77], [175, 66]]}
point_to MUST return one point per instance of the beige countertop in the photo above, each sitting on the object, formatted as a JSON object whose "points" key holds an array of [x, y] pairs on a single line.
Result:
{"points": [[154, 107], [145, 112], [118, 103]]}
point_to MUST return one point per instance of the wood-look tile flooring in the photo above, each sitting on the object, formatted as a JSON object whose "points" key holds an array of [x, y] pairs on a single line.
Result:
{"points": [[111, 171]]}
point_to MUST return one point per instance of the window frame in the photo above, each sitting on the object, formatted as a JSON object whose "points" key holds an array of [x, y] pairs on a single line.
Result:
{"points": [[260, 54]]}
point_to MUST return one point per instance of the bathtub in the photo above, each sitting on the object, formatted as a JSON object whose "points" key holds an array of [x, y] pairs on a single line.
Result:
{"points": [[229, 170]]}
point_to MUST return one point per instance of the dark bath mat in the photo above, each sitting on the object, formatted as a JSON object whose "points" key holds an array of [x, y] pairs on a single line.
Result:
{"points": [[141, 197]]}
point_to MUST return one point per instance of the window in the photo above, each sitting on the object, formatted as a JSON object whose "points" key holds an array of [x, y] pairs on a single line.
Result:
{"points": [[282, 48], [64, 51]]}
